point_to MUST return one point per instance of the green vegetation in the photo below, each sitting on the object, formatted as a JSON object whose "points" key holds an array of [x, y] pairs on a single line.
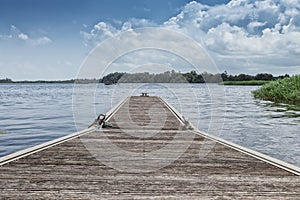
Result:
{"points": [[167, 77], [190, 77], [6, 80], [252, 82], [286, 90], [112, 78]]}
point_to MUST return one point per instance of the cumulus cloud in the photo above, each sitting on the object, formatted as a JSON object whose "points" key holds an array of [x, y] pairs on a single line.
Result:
{"points": [[247, 34], [98, 33], [104, 30], [23, 36], [17, 34], [241, 36]]}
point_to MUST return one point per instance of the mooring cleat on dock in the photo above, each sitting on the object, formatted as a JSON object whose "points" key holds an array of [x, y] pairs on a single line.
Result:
{"points": [[144, 94]]}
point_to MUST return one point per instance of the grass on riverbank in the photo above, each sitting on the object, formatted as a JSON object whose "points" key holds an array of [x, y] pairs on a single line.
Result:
{"points": [[286, 90], [252, 82]]}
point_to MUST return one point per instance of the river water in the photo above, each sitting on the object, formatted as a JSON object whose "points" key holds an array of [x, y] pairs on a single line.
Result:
{"points": [[31, 114]]}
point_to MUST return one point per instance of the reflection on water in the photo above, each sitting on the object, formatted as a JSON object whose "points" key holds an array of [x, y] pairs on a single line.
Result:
{"points": [[280, 110], [32, 114]]}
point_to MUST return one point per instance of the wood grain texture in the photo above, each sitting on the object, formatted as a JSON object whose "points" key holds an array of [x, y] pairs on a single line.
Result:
{"points": [[205, 170]]}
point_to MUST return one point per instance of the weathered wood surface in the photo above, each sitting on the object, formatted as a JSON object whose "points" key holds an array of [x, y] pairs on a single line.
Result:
{"points": [[70, 171]]}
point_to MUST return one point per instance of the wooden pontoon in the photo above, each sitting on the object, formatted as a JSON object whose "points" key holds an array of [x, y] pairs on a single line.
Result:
{"points": [[86, 165]]}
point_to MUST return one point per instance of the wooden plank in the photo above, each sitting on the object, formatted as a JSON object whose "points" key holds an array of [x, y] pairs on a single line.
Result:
{"points": [[37, 148], [69, 170], [273, 161]]}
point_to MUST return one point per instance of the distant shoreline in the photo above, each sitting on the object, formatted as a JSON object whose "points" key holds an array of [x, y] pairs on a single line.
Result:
{"points": [[71, 81], [245, 83], [166, 77]]}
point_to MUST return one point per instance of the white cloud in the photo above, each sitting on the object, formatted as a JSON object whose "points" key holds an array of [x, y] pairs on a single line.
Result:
{"points": [[16, 34], [244, 35], [5, 37], [23, 36], [40, 41], [13, 28], [146, 47], [253, 26], [99, 32], [140, 23], [265, 33], [127, 26], [104, 30]]}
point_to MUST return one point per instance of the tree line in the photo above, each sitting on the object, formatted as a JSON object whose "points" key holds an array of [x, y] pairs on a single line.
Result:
{"points": [[177, 77], [165, 77]]}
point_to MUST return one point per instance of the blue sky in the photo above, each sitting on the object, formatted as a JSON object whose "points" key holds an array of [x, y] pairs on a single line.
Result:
{"points": [[49, 39]]}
